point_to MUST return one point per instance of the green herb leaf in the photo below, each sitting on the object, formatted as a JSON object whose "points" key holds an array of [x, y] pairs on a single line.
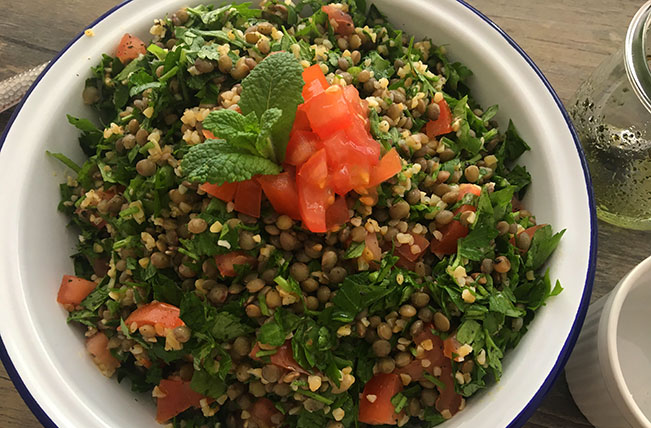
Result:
{"points": [[355, 250], [543, 244], [216, 161], [226, 327], [277, 82]]}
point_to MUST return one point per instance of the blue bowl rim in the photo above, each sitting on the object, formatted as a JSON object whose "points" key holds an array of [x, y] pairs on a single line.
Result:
{"points": [[564, 355]]}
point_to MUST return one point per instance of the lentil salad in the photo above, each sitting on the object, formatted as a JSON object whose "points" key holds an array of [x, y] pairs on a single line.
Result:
{"points": [[240, 311]]}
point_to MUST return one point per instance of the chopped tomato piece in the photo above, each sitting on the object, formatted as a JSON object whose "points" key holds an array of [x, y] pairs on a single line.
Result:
{"points": [[225, 191], [448, 399], [283, 357], [314, 195], [130, 47], [348, 177], [357, 105], [97, 346], [451, 233], [209, 135], [315, 82], [389, 165], [328, 112], [435, 356], [442, 125], [340, 21], [226, 262], [248, 197], [301, 123], [178, 397], [301, 145], [74, 289], [281, 191], [337, 214], [405, 250], [529, 231], [380, 411], [451, 348], [466, 188], [265, 414], [158, 314], [373, 246]]}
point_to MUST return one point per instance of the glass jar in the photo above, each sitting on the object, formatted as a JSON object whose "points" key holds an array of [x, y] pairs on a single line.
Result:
{"points": [[612, 114]]}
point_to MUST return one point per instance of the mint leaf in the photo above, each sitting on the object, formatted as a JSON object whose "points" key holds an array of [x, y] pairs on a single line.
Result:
{"points": [[264, 144], [237, 129], [277, 82], [216, 161]]}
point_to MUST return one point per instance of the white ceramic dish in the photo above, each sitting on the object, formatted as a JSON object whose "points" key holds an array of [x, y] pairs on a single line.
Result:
{"points": [[46, 357], [608, 372]]}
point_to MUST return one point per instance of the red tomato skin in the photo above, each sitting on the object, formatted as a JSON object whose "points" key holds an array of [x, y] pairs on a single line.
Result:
{"points": [[451, 347], [178, 398], [301, 122], [381, 412], [343, 23], [404, 250], [389, 165], [248, 198], [328, 112], [262, 413], [448, 399], [282, 194], [283, 358], [337, 214], [225, 191], [313, 192], [315, 82], [301, 145], [129, 48], [357, 105], [157, 314], [225, 262], [451, 232], [442, 125], [97, 347], [74, 289], [466, 188]]}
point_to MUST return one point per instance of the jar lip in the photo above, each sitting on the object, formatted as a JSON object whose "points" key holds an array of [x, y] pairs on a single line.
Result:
{"points": [[635, 58]]}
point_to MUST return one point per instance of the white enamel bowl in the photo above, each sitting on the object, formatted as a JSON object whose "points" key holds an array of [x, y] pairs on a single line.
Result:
{"points": [[46, 357]]}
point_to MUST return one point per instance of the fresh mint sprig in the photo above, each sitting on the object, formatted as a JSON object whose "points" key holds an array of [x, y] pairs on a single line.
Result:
{"points": [[253, 142]]}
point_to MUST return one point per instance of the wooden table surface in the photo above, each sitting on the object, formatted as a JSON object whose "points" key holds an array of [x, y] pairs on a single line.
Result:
{"points": [[566, 38]]}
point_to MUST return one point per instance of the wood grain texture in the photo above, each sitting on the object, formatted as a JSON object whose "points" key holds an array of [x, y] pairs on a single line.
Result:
{"points": [[566, 39]]}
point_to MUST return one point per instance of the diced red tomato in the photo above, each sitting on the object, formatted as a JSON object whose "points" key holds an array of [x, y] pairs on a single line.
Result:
{"points": [[281, 191], [328, 112], [337, 213], [157, 314], [283, 358], [448, 399], [466, 188], [451, 233], [372, 244], [265, 414], [208, 135], [381, 411], [301, 123], [357, 105], [389, 165], [404, 250], [97, 346], [442, 125], [435, 355], [74, 289], [315, 82], [248, 197], [225, 192], [130, 47], [301, 145], [226, 262], [341, 22], [529, 231], [178, 398], [314, 194], [451, 347]]}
